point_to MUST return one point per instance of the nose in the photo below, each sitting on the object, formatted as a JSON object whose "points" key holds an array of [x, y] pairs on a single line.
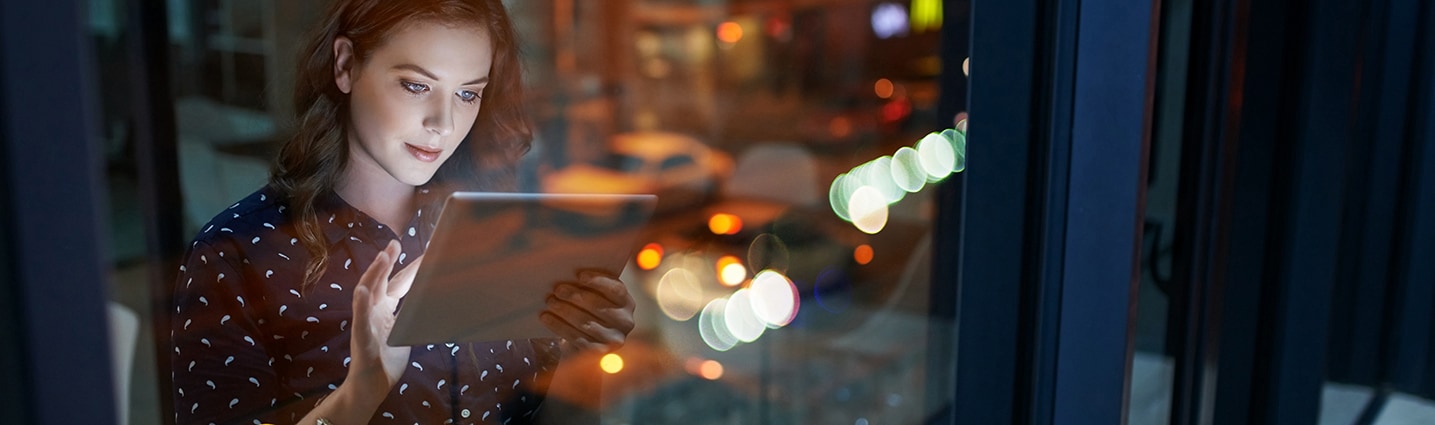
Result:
{"points": [[439, 119]]}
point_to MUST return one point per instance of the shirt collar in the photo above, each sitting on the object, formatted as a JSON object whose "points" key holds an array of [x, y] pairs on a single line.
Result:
{"points": [[340, 220]]}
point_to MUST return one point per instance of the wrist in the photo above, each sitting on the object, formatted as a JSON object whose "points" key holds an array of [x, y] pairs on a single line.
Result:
{"points": [[364, 389]]}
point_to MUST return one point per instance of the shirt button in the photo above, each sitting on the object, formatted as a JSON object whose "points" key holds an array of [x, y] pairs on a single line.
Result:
{"points": [[465, 413]]}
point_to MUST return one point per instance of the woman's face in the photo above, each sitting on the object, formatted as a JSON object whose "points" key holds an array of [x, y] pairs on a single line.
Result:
{"points": [[414, 100]]}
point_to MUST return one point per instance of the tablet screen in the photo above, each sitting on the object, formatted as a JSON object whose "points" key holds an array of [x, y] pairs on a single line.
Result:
{"points": [[494, 258]]}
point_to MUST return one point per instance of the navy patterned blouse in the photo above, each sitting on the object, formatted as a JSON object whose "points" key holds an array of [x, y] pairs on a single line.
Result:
{"points": [[253, 346]]}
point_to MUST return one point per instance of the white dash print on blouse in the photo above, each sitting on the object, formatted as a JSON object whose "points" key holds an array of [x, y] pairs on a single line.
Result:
{"points": [[249, 352]]}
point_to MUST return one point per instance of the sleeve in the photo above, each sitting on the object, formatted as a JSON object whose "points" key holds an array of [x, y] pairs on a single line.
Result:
{"points": [[221, 370]]}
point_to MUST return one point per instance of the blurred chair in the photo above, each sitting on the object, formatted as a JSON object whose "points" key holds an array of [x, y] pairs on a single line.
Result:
{"points": [[212, 180]]}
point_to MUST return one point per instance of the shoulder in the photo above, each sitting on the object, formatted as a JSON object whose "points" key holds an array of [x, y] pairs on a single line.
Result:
{"points": [[259, 214]]}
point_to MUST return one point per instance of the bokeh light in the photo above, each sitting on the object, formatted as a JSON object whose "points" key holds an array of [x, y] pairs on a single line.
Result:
{"points": [[724, 224], [742, 321], [730, 270], [838, 195], [958, 141], [883, 88], [868, 208], [889, 20], [729, 32], [907, 170], [679, 294], [767, 251], [712, 326], [774, 298], [936, 156], [710, 370], [879, 176], [650, 256], [611, 363], [863, 254]]}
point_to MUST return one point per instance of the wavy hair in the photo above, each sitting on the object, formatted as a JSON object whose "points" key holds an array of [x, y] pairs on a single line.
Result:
{"points": [[312, 161]]}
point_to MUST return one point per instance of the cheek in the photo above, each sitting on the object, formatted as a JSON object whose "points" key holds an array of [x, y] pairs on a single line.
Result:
{"points": [[467, 120], [376, 116]]}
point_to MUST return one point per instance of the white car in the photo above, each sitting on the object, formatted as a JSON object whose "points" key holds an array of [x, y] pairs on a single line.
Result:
{"points": [[683, 171]]}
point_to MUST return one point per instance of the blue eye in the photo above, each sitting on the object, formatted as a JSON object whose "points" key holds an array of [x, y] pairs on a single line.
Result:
{"points": [[414, 88], [468, 96]]}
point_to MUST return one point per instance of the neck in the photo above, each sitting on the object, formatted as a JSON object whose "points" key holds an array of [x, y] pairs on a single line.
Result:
{"points": [[370, 189]]}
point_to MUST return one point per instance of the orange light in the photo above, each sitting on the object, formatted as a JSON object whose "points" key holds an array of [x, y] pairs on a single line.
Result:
{"points": [[730, 270], [650, 256], [711, 370], [863, 254], [724, 224], [884, 88], [611, 363], [729, 32]]}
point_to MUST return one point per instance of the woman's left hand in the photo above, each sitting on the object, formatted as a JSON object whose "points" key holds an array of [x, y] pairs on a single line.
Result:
{"points": [[593, 314]]}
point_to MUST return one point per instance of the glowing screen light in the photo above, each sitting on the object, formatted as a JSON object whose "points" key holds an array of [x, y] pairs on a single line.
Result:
{"points": [[868, 209], [936, 156], [679, 294], [650, 256], [712, 326], [774, 298], [742, 321], [611, 363], [889, 20]]}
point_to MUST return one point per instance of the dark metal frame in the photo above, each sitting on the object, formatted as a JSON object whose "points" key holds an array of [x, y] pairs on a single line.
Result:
{"points": [[1047, 239], [54, 269]]}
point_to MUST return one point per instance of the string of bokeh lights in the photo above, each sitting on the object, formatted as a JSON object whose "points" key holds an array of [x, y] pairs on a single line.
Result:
{"points": [[862, 195], [770, 300]]}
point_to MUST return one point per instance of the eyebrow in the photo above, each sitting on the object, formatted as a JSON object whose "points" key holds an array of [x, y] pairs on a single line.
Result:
{"points": [[426, 73]]}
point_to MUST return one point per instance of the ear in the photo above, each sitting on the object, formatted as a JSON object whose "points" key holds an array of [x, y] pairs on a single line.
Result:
{"points": [[343, 63]]}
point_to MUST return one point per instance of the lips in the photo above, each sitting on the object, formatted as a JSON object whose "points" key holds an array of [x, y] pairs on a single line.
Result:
{"points": [[424, 154]]}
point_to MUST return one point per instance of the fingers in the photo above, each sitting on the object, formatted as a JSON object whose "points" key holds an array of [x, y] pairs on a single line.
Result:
{"points": [[380, 284], [605, 285], [577, 313], [584, 334], [400, 284]]}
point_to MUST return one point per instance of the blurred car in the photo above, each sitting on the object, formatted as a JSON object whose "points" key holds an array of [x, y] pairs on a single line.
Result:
{"points": [[683, 171]]}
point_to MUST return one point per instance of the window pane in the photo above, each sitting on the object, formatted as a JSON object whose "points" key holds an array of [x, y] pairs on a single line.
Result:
{"points": [[785, 276]]}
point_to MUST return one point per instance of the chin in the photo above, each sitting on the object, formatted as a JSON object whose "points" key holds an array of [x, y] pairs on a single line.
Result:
{"points": [[417, 179]]}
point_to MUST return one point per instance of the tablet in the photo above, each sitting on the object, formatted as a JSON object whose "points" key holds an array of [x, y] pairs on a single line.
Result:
{"points": [[494, 258]]}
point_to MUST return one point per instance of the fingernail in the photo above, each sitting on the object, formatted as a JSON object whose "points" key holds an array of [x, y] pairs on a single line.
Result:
{"points": [[564, 291]]}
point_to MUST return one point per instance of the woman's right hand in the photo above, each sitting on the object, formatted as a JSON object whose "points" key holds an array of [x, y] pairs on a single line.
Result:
{"points": [[375, 365]]}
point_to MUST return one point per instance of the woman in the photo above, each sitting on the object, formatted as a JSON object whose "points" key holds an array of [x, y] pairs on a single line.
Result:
{"points": [[285, 298]]}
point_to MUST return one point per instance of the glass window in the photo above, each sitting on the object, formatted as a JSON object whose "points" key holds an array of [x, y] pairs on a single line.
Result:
{"points": [[786, 275]]}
